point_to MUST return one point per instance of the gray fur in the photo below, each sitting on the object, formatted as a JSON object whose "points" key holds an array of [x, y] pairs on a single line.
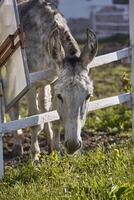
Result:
{"points": [[50, 44]]}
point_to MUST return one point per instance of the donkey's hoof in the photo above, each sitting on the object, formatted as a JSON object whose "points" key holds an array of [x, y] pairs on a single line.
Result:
{"points": [[35, 162], [17, 150], [60, 153], [36, 158]]}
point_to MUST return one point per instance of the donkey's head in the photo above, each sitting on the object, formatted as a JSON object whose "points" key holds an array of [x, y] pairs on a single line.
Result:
{"points": [[73, 89]]}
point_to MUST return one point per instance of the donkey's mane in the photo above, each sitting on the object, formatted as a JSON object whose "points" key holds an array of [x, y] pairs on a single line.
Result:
{"points": [[25, 5]]}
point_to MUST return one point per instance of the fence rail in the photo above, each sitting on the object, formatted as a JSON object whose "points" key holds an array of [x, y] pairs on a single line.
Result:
{"points": [[29, 121], [53, 115], [110, 101], [111, 57], [46, 76]]}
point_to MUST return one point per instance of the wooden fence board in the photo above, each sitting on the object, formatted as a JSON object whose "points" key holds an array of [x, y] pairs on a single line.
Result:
{"points": [[29, 121], [53, 115], [110, 101], [45, 76], [48, 75], [1, 138], [110, 57], [131, 29]]}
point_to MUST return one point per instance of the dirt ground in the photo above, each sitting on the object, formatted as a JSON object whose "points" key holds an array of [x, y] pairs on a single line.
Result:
{"points": [[90, 141]]}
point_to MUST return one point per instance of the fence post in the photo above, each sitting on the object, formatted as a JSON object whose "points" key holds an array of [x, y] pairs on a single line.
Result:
{"points": [[131, 30], [1, 138]]}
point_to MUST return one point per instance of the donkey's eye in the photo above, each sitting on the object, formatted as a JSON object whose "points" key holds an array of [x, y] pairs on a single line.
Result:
{"points": [[60, 97], [88, 97]]}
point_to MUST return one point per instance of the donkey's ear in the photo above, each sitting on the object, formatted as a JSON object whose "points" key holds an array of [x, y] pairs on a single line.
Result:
{"points": [[55, 48], [90, 49]]}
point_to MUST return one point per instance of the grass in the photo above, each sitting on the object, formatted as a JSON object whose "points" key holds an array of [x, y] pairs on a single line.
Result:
{"points": [[105, 173], [110, 80]]}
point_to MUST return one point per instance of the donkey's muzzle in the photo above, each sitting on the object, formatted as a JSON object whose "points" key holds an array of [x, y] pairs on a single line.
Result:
{"points": [[72, 146]]}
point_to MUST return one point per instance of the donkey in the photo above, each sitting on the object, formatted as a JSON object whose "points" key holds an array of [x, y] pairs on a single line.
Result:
{"points": [[50, 45]]}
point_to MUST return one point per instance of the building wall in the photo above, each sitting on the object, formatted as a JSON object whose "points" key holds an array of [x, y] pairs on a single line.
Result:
{"points": [[111, 20], [93, 13]]}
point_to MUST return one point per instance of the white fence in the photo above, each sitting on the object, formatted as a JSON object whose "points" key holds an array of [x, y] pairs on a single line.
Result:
{"points": [[94, 105]]}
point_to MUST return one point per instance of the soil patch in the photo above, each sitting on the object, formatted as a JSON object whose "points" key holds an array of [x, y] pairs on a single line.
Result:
{"points": [[91, 141]]}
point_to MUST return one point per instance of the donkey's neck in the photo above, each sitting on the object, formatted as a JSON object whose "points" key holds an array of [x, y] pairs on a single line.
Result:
{"points": [[25, 6], [39, 20]]}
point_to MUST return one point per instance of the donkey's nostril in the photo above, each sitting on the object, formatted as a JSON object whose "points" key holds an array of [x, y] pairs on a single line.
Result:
{"points": [[72, 146]]}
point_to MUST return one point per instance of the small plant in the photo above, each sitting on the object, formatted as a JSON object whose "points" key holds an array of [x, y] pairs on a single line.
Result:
{"points": [[126, 82]]}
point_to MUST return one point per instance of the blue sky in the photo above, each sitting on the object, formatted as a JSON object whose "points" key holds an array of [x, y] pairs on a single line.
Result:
{"points": [[80, 8]]}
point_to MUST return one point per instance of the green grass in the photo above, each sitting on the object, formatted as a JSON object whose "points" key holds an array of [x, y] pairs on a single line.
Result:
{"points": [[99, 174], [105, 173], [110, 80]]}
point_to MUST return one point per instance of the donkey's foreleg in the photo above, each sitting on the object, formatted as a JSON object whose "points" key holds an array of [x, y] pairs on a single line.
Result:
{"points": [[18, 135], [35, 130], [44, 104], [56, 137], [56, 126]]}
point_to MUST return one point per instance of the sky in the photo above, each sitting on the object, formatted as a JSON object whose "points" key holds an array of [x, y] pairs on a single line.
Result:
{"points": [[80, 8]]}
